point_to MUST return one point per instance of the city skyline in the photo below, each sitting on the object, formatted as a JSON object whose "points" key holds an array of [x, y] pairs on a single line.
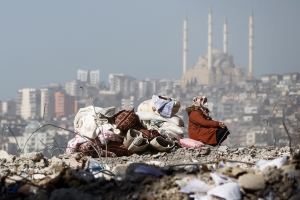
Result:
{"points": [[47, 42]]}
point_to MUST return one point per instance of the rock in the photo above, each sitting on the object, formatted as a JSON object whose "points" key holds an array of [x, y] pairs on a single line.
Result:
{"points": [[204, 150], [252, 182], [8, 157], [16, 178], [223, 148], [291, 173], [120, 169], [3, 154], [155, 162], [233, 171], [38, 176], [56, 164], [34, 156], [272, 174], [27, 189], [72, 162]]}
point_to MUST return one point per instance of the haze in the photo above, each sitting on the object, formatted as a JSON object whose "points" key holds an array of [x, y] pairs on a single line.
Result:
{"points": [[43, 42]]}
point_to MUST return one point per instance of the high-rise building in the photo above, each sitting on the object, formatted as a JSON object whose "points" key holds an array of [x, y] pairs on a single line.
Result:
{"points": [[91, 77], [64, 104], [8, 107], [94, 77], [73, 88], [48, 101], [128, 103], [82, 75], [28, 103], [121, 83]]}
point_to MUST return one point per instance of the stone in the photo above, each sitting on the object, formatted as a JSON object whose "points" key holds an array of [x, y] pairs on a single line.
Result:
{"points": [[120, 169], [72, 162], [272, 174], [56, 164], [8, 157], [252, 182], [204, 150], [223, 148], [27, 189], [38, 176], [34, 156], [233, 171]]}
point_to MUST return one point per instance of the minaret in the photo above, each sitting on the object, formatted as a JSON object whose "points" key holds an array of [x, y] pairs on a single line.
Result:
{"points": [[209, 59], [225, 36], [184, 44], [251, 45]]}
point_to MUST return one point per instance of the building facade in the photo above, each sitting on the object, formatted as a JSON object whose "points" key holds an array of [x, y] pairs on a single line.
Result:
{"points": [[28, 103], [64, 104]]}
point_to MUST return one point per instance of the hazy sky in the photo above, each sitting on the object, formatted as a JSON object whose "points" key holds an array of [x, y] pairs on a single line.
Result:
{"points": [[43, 42]]}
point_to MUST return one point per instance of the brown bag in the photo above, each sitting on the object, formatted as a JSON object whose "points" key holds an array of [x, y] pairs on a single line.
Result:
{"points": [[118, 148], [125, 120], [149, 134]]}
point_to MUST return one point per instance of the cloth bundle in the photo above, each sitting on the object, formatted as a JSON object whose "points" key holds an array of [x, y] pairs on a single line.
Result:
{"points": [[162, 105], [97, 131]]}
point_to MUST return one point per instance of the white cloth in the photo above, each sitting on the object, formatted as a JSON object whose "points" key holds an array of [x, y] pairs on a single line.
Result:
{"points": [[228, 191], [87, 122], [278, 162], [221, 179], [196, 186]]}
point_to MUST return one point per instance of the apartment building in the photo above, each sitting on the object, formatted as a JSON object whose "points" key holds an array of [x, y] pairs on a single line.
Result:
{"points": [[48, 101], [28, 103], [64, 104]]}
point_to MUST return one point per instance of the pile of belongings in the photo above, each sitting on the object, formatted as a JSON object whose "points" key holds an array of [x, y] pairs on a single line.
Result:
{"points": [[105, 132]]}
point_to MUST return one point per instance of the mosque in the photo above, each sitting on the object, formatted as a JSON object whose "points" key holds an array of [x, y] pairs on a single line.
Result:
{"points": [[216, 67]]}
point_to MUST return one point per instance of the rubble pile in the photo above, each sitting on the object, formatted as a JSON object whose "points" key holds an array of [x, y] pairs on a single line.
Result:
{"points": [[205, 173]]}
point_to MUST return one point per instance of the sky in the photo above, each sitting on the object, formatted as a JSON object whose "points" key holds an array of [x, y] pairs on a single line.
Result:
{"points": [[44, 42]]}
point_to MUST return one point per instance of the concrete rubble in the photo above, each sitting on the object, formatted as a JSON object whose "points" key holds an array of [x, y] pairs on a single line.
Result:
{"points": [[207, 173]]}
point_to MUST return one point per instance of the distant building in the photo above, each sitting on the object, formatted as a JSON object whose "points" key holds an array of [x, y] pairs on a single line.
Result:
{"points": [[73, 88], [28, 103], [95, 77], [38, 141], [91, 77], [217, 66], [128, 103], [64, 104], [48, 102], [83, 75], [166, 86], [8, 107], [121, 83]]}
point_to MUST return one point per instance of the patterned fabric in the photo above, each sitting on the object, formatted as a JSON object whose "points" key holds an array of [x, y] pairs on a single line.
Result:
{"points": [[201, 103], [118, 148], [149, 134], [74, 143], [125, 120], [163, 106], [88, 149], [106, 137]]}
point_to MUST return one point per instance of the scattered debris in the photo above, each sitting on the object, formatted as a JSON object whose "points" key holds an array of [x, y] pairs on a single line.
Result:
{"points": [[182, 173]]}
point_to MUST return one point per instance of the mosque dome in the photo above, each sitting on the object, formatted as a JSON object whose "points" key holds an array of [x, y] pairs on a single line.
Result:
{"points": [[217, 52], [32, 126], [220, 59], [202, 61]]}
